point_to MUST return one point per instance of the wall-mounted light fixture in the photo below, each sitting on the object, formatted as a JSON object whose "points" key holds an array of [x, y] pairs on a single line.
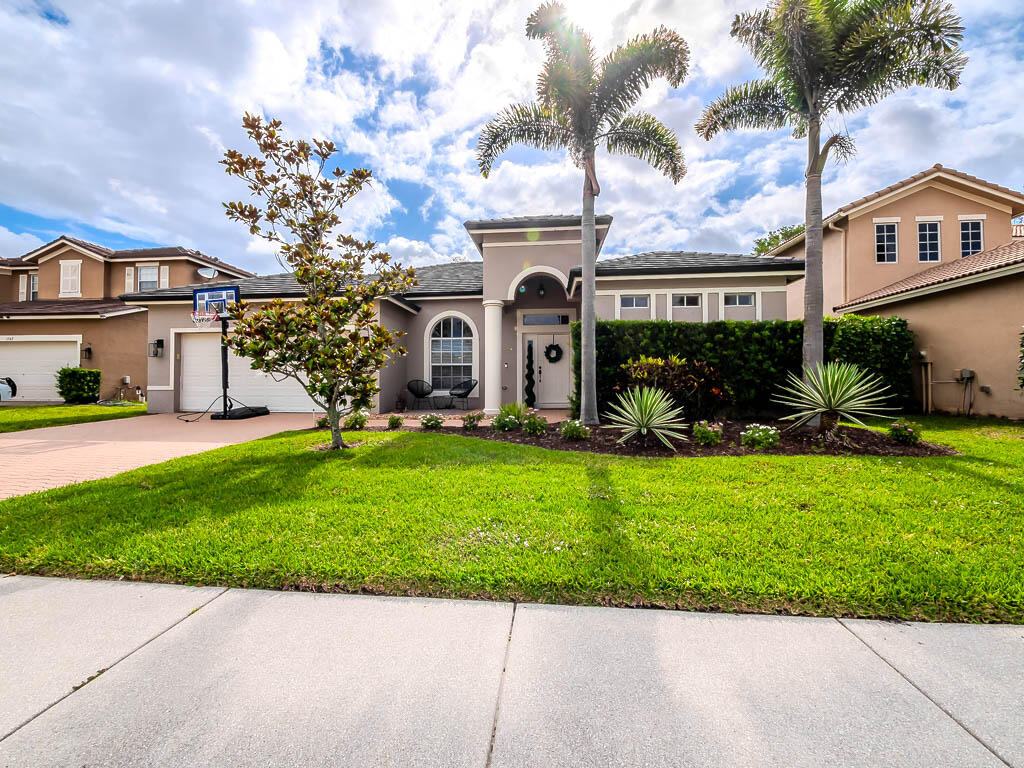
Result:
{"points": [[540, 291], [86, 353], [156, 348]]}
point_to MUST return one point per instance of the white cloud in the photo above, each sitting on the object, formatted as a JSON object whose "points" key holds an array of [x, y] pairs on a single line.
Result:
{"points": [[15, 244]]}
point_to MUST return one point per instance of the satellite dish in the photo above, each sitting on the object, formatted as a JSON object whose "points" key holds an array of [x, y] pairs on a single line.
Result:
{"points": [[207, 272]]}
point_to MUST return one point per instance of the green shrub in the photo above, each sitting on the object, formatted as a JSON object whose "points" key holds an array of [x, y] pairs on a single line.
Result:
{"points": [[759, 437], [695, 386], [78, 385], [833, 391], [472, 420], [510, 416], [707, 433], [534, 424], [395, 421], [356, 420], [431, 420], [752, 358], [323, 423], [1020, 364], [574, 429], [643, 412], [905, 432]]}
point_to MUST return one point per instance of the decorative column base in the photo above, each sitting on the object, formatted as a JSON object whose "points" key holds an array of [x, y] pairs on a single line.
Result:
{"points": [[492, 355]]}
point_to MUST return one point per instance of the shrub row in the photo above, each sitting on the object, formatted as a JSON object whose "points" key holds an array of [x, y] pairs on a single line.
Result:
{"points": [[753, 358]]}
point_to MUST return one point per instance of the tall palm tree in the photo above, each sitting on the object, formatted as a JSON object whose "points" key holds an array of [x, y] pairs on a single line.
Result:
{"points": [[825, 56], [583, 103]]}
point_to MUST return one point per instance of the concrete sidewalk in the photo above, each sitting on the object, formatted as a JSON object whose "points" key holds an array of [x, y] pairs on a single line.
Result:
{"points": [[126, 674]]}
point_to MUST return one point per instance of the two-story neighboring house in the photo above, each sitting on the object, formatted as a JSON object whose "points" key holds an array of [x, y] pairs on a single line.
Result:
{"points": [[59, 306], [940, 250]]}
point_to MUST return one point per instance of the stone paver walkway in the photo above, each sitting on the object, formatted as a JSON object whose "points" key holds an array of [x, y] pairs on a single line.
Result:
{"points": [[39, 459], [124, 674]]}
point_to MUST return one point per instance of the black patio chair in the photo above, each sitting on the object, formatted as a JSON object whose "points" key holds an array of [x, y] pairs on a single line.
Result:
{"points": [[420, 390], [462, 390]]}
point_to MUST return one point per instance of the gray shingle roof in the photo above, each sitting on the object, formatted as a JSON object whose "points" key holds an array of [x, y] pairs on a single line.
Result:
{"points": [[519, 222], [160, 252], [59, 307], [687, 262]]}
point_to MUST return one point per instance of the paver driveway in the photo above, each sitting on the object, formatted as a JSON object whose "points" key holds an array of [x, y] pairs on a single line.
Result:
{"points": [[39, 459]]}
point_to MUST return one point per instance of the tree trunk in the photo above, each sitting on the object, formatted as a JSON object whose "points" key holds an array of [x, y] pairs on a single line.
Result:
{"points": [[814, 342], [334, 418], [588, 365]]}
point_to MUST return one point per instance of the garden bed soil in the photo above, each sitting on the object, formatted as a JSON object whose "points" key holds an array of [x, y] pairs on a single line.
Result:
{"points": [[804, 441]]}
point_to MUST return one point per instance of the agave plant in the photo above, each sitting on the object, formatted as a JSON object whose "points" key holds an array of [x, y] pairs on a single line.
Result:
{"points": [[834, 391], [645, 411]]}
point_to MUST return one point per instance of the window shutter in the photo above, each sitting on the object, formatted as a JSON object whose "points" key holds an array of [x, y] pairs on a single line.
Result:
{"points": [[22, 287], [165, 276], [70, 278], [129, 279]]}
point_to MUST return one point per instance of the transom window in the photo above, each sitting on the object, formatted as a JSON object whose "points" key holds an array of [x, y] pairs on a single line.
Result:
{"points": [[149, 278], [928, 241], [634, 302], [970, 237], [686, 300], [885, 243], [451, 353], [545, 319], [739, 299]]}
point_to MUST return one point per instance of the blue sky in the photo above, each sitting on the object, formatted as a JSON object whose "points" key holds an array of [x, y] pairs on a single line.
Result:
{"points": [[117, 113]]}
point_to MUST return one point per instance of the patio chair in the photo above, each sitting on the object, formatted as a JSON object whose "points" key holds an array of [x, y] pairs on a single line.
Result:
{"points": [[462, 390], [420, 390]]}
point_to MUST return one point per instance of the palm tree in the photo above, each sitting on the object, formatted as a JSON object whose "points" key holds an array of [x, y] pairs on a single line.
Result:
{"points": [[582, 104], [825, 56]]}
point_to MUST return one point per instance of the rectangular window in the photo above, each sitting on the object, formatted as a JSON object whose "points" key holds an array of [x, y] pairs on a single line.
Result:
{"points": [[928, 241], [885, 243], [686, 300], [970, 237], [634, 302], [149, 278], [545, 319], [739, 299], [33, 287], [70, 279]]}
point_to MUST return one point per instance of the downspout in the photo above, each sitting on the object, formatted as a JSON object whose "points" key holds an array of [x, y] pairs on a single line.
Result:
{"points": [[843, 277]]}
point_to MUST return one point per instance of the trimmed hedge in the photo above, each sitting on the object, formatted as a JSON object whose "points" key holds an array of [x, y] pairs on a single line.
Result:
{"points": [[78, 385], [753, 357]]}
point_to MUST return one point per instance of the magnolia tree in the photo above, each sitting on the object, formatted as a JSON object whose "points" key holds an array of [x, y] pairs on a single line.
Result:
{"points": [[331, 341]]}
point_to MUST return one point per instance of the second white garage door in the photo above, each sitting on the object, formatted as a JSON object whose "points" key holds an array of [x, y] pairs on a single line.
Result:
{"points": [[33, 365], [200, 380]]}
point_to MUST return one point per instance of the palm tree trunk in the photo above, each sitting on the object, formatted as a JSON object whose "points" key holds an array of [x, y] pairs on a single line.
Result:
{"points": [[814, 341], [588, 365]]}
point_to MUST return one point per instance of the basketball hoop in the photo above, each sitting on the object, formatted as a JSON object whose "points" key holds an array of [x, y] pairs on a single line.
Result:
{"points": [[202, 318]]}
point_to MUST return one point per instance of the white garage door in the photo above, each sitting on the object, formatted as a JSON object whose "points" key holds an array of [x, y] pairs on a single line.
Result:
{"points": [[200, 380], [34, 364]]}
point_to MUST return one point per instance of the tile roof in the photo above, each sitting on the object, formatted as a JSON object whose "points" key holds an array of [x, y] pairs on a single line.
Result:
{"points": [[14, 263], [1016, 230], [161, 252], [1001, 256], [688, 262], [520, 222], [58, 307]]}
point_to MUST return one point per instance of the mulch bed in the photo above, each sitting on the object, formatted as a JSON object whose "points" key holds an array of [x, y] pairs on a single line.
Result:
{"points": [[794, 442]]}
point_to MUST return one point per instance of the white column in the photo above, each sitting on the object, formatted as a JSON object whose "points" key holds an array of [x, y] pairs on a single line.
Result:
{"points": [[492, 355]]}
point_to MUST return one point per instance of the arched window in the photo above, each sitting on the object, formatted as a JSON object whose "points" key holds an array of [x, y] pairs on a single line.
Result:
{"points": [[451, 353]]}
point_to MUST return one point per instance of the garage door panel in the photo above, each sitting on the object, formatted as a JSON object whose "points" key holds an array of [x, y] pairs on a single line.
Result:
{"points": [[34, 364], [200, 380]]}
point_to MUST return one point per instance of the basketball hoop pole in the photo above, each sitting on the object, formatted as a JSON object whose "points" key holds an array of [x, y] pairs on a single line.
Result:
{"points": [[224, 366]]}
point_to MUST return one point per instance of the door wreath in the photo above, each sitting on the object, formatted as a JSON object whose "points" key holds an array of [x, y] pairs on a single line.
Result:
{"points": [[553, 353]]}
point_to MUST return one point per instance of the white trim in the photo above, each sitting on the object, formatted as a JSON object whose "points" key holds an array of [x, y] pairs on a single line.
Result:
{"points": [[875, 226], [61, 293], [23, 287], [913, 187], [961, 241], [173, 333], [416, 299], [73, 317], [76, 337], [477, 345], [549, 271], [928, 218], [520, 333], [971, 217], [939, 230], [69, 246], [532, 229], [886, 220], [129, 279], [522, 243]]}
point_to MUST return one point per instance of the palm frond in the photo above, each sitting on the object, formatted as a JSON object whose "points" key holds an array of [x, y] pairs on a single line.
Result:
{"points": [[754, 104], [569, 70], [940, 70], [624, 73], [531, 124], [803, 44], [644, 136], [753, 30]]}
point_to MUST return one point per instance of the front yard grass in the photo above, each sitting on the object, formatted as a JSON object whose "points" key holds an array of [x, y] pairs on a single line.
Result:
{"points": [[14, 418], [444, 515]]}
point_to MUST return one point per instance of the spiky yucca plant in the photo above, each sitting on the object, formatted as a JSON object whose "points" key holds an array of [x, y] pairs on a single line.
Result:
{"points": [[645, 411], [833, 391]]}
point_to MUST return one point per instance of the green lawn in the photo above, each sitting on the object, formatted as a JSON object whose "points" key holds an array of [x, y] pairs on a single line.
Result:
{"points": [[14, 418], [428, 514]]}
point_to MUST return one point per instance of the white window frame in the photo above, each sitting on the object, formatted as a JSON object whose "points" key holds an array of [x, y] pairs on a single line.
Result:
{"points": [[77, 292], [156, 276], [634, 297], [477, 347], [737, 296], [896, 244], [33, 286], [685, 296], [981, 235], [938, 243]]}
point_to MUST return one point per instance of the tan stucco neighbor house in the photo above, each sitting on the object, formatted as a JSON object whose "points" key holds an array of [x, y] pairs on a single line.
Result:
{"points": [[59, 307], [480, 320], [940, 250]]}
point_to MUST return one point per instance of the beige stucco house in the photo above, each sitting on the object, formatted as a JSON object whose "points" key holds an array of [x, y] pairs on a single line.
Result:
{"points": [[59, 307], [480, 320], [940, 250]]}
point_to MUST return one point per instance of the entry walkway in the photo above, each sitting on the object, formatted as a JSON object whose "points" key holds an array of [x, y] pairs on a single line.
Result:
{"points": [[124, 674]]}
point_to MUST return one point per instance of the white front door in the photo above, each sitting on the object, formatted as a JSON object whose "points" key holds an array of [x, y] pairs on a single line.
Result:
{"points": [[551, 380]]}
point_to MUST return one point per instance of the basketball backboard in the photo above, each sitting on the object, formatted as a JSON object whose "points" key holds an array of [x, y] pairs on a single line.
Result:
{"points": [[214, 299]]}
